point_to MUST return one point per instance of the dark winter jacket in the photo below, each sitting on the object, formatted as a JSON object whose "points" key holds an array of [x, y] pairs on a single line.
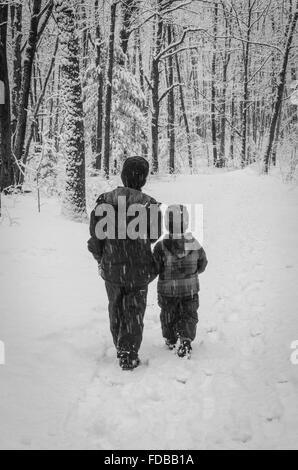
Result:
{"points": [[125, 262], [179, 263]]}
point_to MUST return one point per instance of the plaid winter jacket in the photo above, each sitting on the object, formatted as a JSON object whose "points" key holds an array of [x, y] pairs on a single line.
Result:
{"points": [[179, 263], [125, 262]]}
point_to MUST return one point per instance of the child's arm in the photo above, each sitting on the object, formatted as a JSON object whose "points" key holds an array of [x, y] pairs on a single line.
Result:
{"points": [[202, 261]]}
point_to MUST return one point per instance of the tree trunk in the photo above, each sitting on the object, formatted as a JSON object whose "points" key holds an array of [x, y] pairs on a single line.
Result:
{"points": [[25, 89], [128, 8], [233, 122], [213, 88], [141, 65], [155, 95], [100, 91], [280, 90], [85, 35], [246, 89], [16, 12], [184, 113], [57, 113], [74, 204], [222, 153], [226, 61], [171, 106], [109, 93], [6, 175]]}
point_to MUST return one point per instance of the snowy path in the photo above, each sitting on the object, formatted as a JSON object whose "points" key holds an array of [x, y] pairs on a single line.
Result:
{"points": [[61, 386]]}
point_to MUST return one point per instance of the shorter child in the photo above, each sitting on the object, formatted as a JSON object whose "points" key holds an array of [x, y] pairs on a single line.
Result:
{"points": [[179, 259]]}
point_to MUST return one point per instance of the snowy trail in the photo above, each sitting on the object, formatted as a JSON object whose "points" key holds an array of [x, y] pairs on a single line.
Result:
{"points": [[61, 386]]}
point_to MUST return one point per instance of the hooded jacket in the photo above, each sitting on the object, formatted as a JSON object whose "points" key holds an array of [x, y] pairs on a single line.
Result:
{"points": [[125, 262], [179, 263]]}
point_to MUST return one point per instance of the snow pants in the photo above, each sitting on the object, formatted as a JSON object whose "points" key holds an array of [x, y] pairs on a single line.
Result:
{"points": [[127, 308], [179, 317]]}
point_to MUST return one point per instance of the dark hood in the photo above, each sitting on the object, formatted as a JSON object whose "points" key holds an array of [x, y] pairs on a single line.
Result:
{"points": [[181, 247]]}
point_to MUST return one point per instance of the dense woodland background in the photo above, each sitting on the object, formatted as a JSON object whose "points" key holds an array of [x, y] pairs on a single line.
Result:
{"points": [[188, 84]]}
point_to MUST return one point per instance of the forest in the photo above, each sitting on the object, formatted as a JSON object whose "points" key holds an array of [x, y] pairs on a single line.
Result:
{"points": [[188, 84]]}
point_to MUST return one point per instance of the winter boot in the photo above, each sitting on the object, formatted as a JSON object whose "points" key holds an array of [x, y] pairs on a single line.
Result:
{"points": [[185, 349], [171, 344], [128, 360]]}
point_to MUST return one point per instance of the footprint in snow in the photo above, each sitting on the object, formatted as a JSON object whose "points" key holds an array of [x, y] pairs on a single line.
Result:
{"points": [[256, 331], [213, 333]]}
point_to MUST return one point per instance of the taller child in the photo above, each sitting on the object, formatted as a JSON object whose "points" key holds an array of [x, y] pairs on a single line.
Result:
{"points": [[127, 265]]}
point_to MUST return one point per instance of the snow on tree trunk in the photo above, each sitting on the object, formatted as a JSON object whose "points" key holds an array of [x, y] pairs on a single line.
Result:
{"points": [[74, 203], [109, 93], [100, 89], [171, 105], [6, 175], [184, 113], [244, 159], [155, 95], [16, 27], [213, 88]]}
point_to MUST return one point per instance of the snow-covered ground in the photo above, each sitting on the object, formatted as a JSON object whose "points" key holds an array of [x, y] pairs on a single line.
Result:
{"points": [[61, 387]]}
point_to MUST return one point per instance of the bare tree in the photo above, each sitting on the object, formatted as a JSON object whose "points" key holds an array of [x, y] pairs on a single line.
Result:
{"points": [[184, 113], [290, 30], [25, 88]]}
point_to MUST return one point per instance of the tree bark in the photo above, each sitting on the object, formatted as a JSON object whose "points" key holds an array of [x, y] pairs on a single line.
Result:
{"points": [[109, 92], [171, 106], [155, 95], [16, 12], [233, 122], [184, 113], [213, 88], [6, 174], [246, 88], [74, 203], [128, 8], [100, 91], [85, 35], [226, 62]]}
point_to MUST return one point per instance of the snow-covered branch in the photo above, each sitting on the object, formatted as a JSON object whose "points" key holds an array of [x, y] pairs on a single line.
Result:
{"points": [[163, 96], [178, 43]]}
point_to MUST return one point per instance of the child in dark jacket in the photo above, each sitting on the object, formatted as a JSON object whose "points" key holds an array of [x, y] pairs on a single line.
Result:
{"points": [[179, 259]]}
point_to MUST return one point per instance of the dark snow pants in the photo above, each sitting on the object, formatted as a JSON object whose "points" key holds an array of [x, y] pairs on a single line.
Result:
{"points": [[179, 317], [127, 308]]}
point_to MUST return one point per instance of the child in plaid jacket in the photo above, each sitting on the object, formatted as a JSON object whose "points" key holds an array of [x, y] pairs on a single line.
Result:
{"points": [[179, 260]]}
